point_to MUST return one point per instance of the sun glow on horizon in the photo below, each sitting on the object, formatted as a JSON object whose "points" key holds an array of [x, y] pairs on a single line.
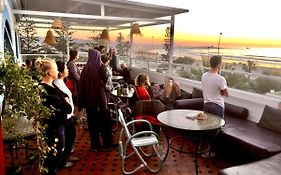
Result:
{"points": [[242, 24]]}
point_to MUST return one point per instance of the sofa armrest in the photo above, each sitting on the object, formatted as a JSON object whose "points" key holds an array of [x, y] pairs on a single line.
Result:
{"points": [[196, 103]]}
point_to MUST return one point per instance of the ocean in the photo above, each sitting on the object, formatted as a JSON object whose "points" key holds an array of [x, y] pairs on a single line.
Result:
{"points": [[269, 56]]}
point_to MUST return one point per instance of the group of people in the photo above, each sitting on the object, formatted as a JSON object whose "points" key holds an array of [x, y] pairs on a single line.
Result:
{"points": [[61, 129], [146, 90], [68, 90], [214, 88]]}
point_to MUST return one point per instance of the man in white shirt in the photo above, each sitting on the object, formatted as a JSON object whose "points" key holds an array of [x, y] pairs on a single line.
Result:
{"points": [[214, 87]]}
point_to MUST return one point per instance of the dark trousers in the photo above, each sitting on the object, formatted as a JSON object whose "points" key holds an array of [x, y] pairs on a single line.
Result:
{"points": [[53, 162], [70, 135], [99, 122], [217, 110], [214, 108]]}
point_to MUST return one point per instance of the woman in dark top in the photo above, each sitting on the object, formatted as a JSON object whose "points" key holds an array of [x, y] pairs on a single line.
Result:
{"points": [[113, 61], [58, 102], [74, 78], [92, 96], [74, 72], [105, 75]]}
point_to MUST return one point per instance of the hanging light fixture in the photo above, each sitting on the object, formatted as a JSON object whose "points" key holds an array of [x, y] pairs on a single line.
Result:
{"points": [[136, 29], [57, 24], [105, 35], [50, 38]]}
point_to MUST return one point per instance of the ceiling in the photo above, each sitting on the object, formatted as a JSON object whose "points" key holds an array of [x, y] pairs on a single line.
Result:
{"points": [[114, 14]]}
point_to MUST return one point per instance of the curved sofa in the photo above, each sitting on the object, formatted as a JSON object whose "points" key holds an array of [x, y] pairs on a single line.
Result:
{"points": [[242, 141]]}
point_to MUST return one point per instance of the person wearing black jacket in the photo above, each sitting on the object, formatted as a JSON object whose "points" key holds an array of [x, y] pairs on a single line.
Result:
{"points": [[57, 101]]}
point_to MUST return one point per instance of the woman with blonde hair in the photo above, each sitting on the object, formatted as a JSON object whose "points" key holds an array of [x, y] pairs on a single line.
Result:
{"points": [[58, 102]]}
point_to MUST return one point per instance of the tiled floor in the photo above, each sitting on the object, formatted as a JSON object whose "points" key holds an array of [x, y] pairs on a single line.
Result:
{"points": [[109, 163]]}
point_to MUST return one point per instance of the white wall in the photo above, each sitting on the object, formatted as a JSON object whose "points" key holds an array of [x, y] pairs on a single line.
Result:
{"points": [[253, 102]]}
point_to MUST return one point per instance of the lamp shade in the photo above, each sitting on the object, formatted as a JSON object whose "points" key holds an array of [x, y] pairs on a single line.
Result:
{"points": [[105, 35], [50, 38], [135, 29], [57, 24]]}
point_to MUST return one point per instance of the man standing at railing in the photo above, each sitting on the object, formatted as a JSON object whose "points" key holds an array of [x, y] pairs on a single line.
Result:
{"points": [[214, 87]]}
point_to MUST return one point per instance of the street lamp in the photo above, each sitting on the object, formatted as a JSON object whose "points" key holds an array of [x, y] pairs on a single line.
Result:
{"points": [[219, 43]]}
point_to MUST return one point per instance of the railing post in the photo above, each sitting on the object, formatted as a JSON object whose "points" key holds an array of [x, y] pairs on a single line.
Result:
{"points": [[171, 49], [131, 47], [67, 44]]}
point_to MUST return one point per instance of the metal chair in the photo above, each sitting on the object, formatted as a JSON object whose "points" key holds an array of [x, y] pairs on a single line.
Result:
{"points": [[142, 144]]}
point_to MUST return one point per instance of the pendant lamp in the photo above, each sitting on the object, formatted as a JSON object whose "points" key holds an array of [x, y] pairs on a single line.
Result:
{"points": [[136, 29], [105, 35], [57, 24], [50, 38]]}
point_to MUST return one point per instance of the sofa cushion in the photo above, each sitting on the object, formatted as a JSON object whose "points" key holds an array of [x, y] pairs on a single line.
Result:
{"points": [[196, 103], [271, 119], [197, 93], [185, 95], [267, 166], [236, 111]]}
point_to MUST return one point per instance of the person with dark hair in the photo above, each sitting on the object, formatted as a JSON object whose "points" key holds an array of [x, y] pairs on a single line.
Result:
{"points": [[58, 102], [125, 72], [156, 90], [74, 71], [214, 87], [101, 49], [70, 131], [92, 96], [113, 61], [106, 75], [28, 64], [74, 77], [33, 72]]}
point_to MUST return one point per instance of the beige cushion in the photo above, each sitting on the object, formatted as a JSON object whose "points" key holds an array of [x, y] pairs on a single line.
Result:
{"points": [[271, 119]]}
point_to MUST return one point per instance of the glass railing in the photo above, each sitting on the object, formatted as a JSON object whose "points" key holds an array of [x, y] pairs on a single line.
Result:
{"points": [[244, 77]]}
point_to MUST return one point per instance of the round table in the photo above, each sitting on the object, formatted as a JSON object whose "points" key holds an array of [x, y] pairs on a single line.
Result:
{"points": [[185, 120], [15, 129], [129, 95], [117, 77]]}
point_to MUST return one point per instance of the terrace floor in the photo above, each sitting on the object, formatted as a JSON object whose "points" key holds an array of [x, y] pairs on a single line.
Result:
{"points": [[109, 163]]}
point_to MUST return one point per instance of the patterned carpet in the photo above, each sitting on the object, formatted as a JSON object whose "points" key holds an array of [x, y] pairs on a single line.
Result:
{"points": [[109, 163]]}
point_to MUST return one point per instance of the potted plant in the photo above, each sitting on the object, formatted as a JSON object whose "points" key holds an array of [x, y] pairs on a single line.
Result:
{"points": [[22, 97]]}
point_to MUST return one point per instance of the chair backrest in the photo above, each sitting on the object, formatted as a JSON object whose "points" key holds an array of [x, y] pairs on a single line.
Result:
{"points": [[115, 85], [148, 107], [123, 122]]}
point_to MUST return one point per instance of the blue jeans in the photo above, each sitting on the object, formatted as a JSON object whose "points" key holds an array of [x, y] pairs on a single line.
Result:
{"points": [[214, 108]]}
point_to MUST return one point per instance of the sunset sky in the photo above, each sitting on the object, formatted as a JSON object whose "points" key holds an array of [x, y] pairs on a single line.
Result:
{"points": [[243, 23]]}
